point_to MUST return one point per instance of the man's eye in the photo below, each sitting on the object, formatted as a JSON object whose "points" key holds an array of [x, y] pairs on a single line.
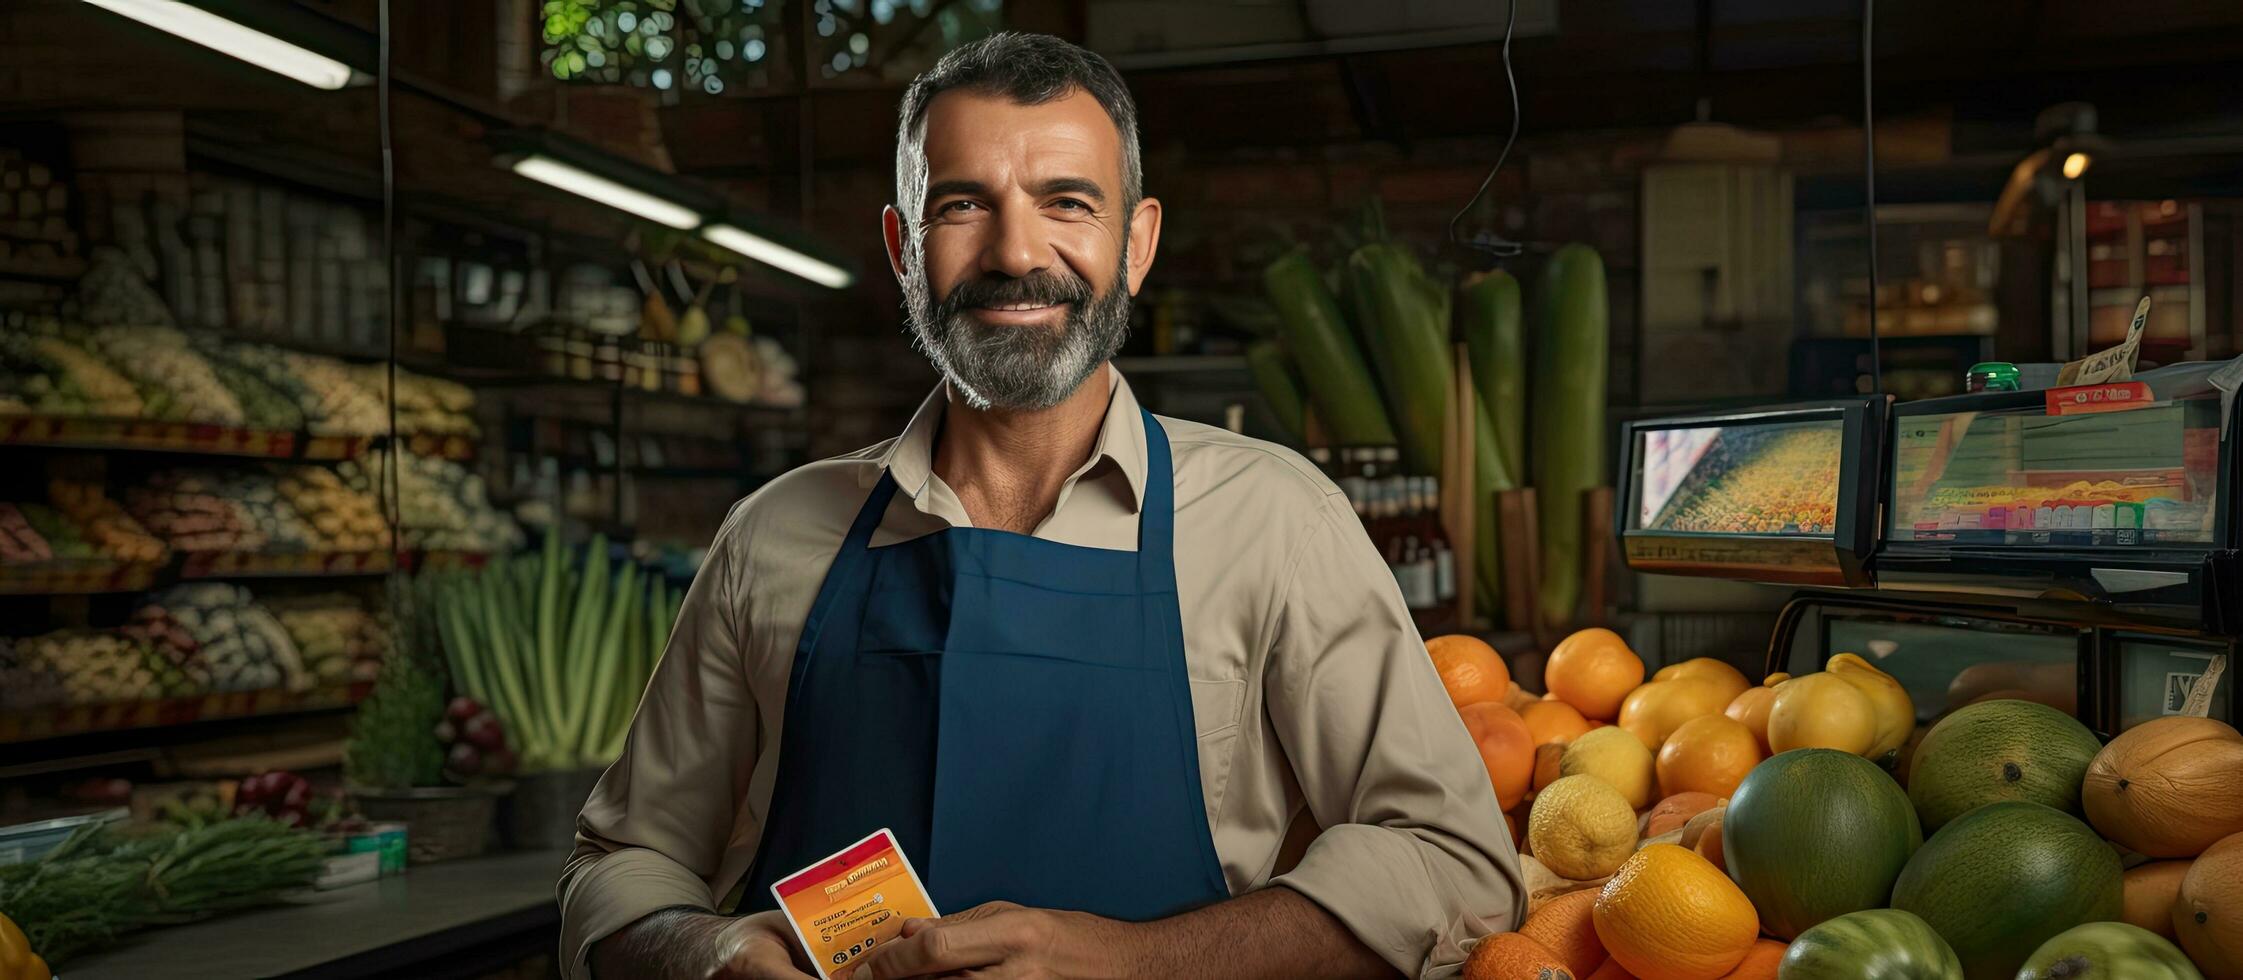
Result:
{"points": [[954, 207], [1067, 203]]}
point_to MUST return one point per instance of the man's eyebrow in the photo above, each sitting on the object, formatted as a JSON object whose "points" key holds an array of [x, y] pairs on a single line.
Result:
{"points": [[1072, 185], [948, 188]]}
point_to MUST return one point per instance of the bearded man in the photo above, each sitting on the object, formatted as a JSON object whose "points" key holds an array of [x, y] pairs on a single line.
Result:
{"points": [[1137, 696]]}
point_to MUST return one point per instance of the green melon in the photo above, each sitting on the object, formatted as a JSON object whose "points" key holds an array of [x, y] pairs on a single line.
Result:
{"points": [[1815, 833], [1875, 944], [2001, 880], [1996, 751], [2109, 951]]}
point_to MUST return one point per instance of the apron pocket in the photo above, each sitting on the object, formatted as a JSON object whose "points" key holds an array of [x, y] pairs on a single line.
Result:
{"points": [[1004, 616]]}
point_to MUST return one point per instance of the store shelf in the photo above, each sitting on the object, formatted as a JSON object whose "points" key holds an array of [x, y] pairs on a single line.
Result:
{"points": [[53, 722], [456, 447], [197, 438], [84, 576], [426, 922], [94, 576]]}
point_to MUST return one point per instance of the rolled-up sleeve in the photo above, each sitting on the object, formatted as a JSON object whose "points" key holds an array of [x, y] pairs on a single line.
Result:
{"points": [[655, 830], [1415, 859]]}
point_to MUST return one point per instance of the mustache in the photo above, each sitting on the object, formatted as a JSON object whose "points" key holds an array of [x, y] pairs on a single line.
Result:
{"points": [[1035, 289]]}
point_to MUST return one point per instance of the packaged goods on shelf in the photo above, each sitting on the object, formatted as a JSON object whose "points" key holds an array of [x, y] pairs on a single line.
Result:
{"points": [[442, 506], [244, 647], [103, 522], [175, 381]]}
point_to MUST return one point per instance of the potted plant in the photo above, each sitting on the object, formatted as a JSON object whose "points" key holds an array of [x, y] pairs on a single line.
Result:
{"points": [[437, 768]]}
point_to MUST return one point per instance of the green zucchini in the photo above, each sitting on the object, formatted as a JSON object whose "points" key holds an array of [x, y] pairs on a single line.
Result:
{"points": [[1489, 314], [1315, 334], [1571, 345], [1274, 377]]}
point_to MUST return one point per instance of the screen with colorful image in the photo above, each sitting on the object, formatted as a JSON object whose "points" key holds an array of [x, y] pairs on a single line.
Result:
{"points": [[1760, 478]]}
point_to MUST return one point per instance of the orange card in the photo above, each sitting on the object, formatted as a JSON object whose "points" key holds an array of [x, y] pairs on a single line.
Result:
{"points": [[847, 904]]}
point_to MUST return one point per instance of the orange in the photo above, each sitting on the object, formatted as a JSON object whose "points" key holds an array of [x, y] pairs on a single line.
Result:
{"points": [[1760, 962], [1706, 669], [1676, 810], [1567, 926], [1593, 670], [1470, 670], [1511, 956], [1546, 759], [1506, 748], [1711, 755], [1710, 847], [1553, 721], [1667, 914], [1752, 706], [1652, 712], [1612, 970], [1517, 698]]}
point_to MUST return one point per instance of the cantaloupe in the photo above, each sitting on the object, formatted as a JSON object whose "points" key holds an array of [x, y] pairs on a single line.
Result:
{"points": [[2208, 914], [2168, 787], [2151, 890]]}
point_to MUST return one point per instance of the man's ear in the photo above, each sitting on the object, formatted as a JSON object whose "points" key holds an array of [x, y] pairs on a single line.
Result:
{"points": [[1144, 240], [891, 229]]}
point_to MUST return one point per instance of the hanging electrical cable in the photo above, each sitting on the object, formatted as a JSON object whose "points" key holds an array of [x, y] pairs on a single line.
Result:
{"points": [[1869, 190], [393, 508], [1490, 241]]}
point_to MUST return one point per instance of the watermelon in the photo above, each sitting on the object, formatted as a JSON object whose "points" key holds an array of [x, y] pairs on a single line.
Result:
{"points": [[2109, 951], [2002, 879], [1816, 833], [1994, 751], [1873, 944]]}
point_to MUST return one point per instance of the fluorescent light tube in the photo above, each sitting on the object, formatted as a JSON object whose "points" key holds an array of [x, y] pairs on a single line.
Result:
{"points": [[228, 37], [582, 183], [778, 256]]}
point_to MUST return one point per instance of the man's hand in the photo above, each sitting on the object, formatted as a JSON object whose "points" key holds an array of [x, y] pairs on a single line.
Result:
{"points": [[999, 941], [675, 943]]}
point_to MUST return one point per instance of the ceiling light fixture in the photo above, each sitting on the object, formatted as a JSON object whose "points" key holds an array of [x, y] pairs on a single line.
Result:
{"points": [[583, 183], [232, 38], [778, 256]]}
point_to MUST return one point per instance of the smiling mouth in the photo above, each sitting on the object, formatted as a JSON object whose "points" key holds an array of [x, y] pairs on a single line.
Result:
{"points": [[1019, 307]]}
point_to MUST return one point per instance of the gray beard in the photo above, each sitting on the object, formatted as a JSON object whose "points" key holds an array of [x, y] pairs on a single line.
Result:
{"points": [[1019, 367]]}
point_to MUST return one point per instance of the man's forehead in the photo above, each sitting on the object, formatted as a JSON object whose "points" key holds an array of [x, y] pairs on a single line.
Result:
{"points": [[968, 129]]}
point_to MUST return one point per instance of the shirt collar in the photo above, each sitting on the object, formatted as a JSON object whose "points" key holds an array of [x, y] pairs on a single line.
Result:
{"points": [[1121, 444]]}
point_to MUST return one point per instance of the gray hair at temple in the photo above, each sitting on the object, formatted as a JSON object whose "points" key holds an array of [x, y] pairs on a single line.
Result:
{"points": [[1029, 69]]}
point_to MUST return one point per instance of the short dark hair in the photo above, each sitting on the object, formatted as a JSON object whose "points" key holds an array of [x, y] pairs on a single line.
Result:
{"points": [[1029, 69]]}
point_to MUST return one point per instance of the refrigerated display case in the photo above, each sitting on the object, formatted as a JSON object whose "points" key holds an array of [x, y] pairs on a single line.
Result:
{"points": [[2072, 546], [1783, 495]]}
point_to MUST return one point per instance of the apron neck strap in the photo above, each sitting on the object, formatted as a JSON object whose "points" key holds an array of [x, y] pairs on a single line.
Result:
{"points": [[1156, 512]]}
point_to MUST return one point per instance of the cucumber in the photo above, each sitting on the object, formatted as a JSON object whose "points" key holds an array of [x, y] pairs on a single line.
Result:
{"points": [[1409, 344], [1489, 313], [1569, 416], [1338, 382], [1274, 377]]}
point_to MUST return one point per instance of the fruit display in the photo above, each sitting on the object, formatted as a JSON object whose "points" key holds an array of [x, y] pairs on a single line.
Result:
{"points": [[2167, 787], [103, 521], [19, 541], [52, 376], [443, 505], [425, 405], [1775, 832], [1996, 751], [93, 667], [2108, 949], [2001, 879], [337, 517], [338, 639], [174, 380], [62, 537], [1873, 944], [474, 742], [1666, 839], [242, 645], [207, 511]]}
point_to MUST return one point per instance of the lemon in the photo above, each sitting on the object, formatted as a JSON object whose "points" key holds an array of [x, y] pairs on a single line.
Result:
{"points": [[1581, 828], [1616, 757]]}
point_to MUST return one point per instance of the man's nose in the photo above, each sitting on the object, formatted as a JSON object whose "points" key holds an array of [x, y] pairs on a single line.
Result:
{"points": [[1017, 245]]}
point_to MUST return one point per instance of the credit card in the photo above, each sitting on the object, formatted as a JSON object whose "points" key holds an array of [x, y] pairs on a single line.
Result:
{"points": [[848, 904]]}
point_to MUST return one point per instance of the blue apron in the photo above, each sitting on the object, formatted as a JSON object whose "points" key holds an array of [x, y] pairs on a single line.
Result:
{"points": [[1015, 709]]}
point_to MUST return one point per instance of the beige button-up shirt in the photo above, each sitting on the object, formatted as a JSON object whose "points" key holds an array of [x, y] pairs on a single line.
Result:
{"points": [[1313, 697]]}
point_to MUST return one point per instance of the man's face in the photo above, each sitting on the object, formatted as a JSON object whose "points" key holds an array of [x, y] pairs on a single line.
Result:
{"points": [[1019, 283]]}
